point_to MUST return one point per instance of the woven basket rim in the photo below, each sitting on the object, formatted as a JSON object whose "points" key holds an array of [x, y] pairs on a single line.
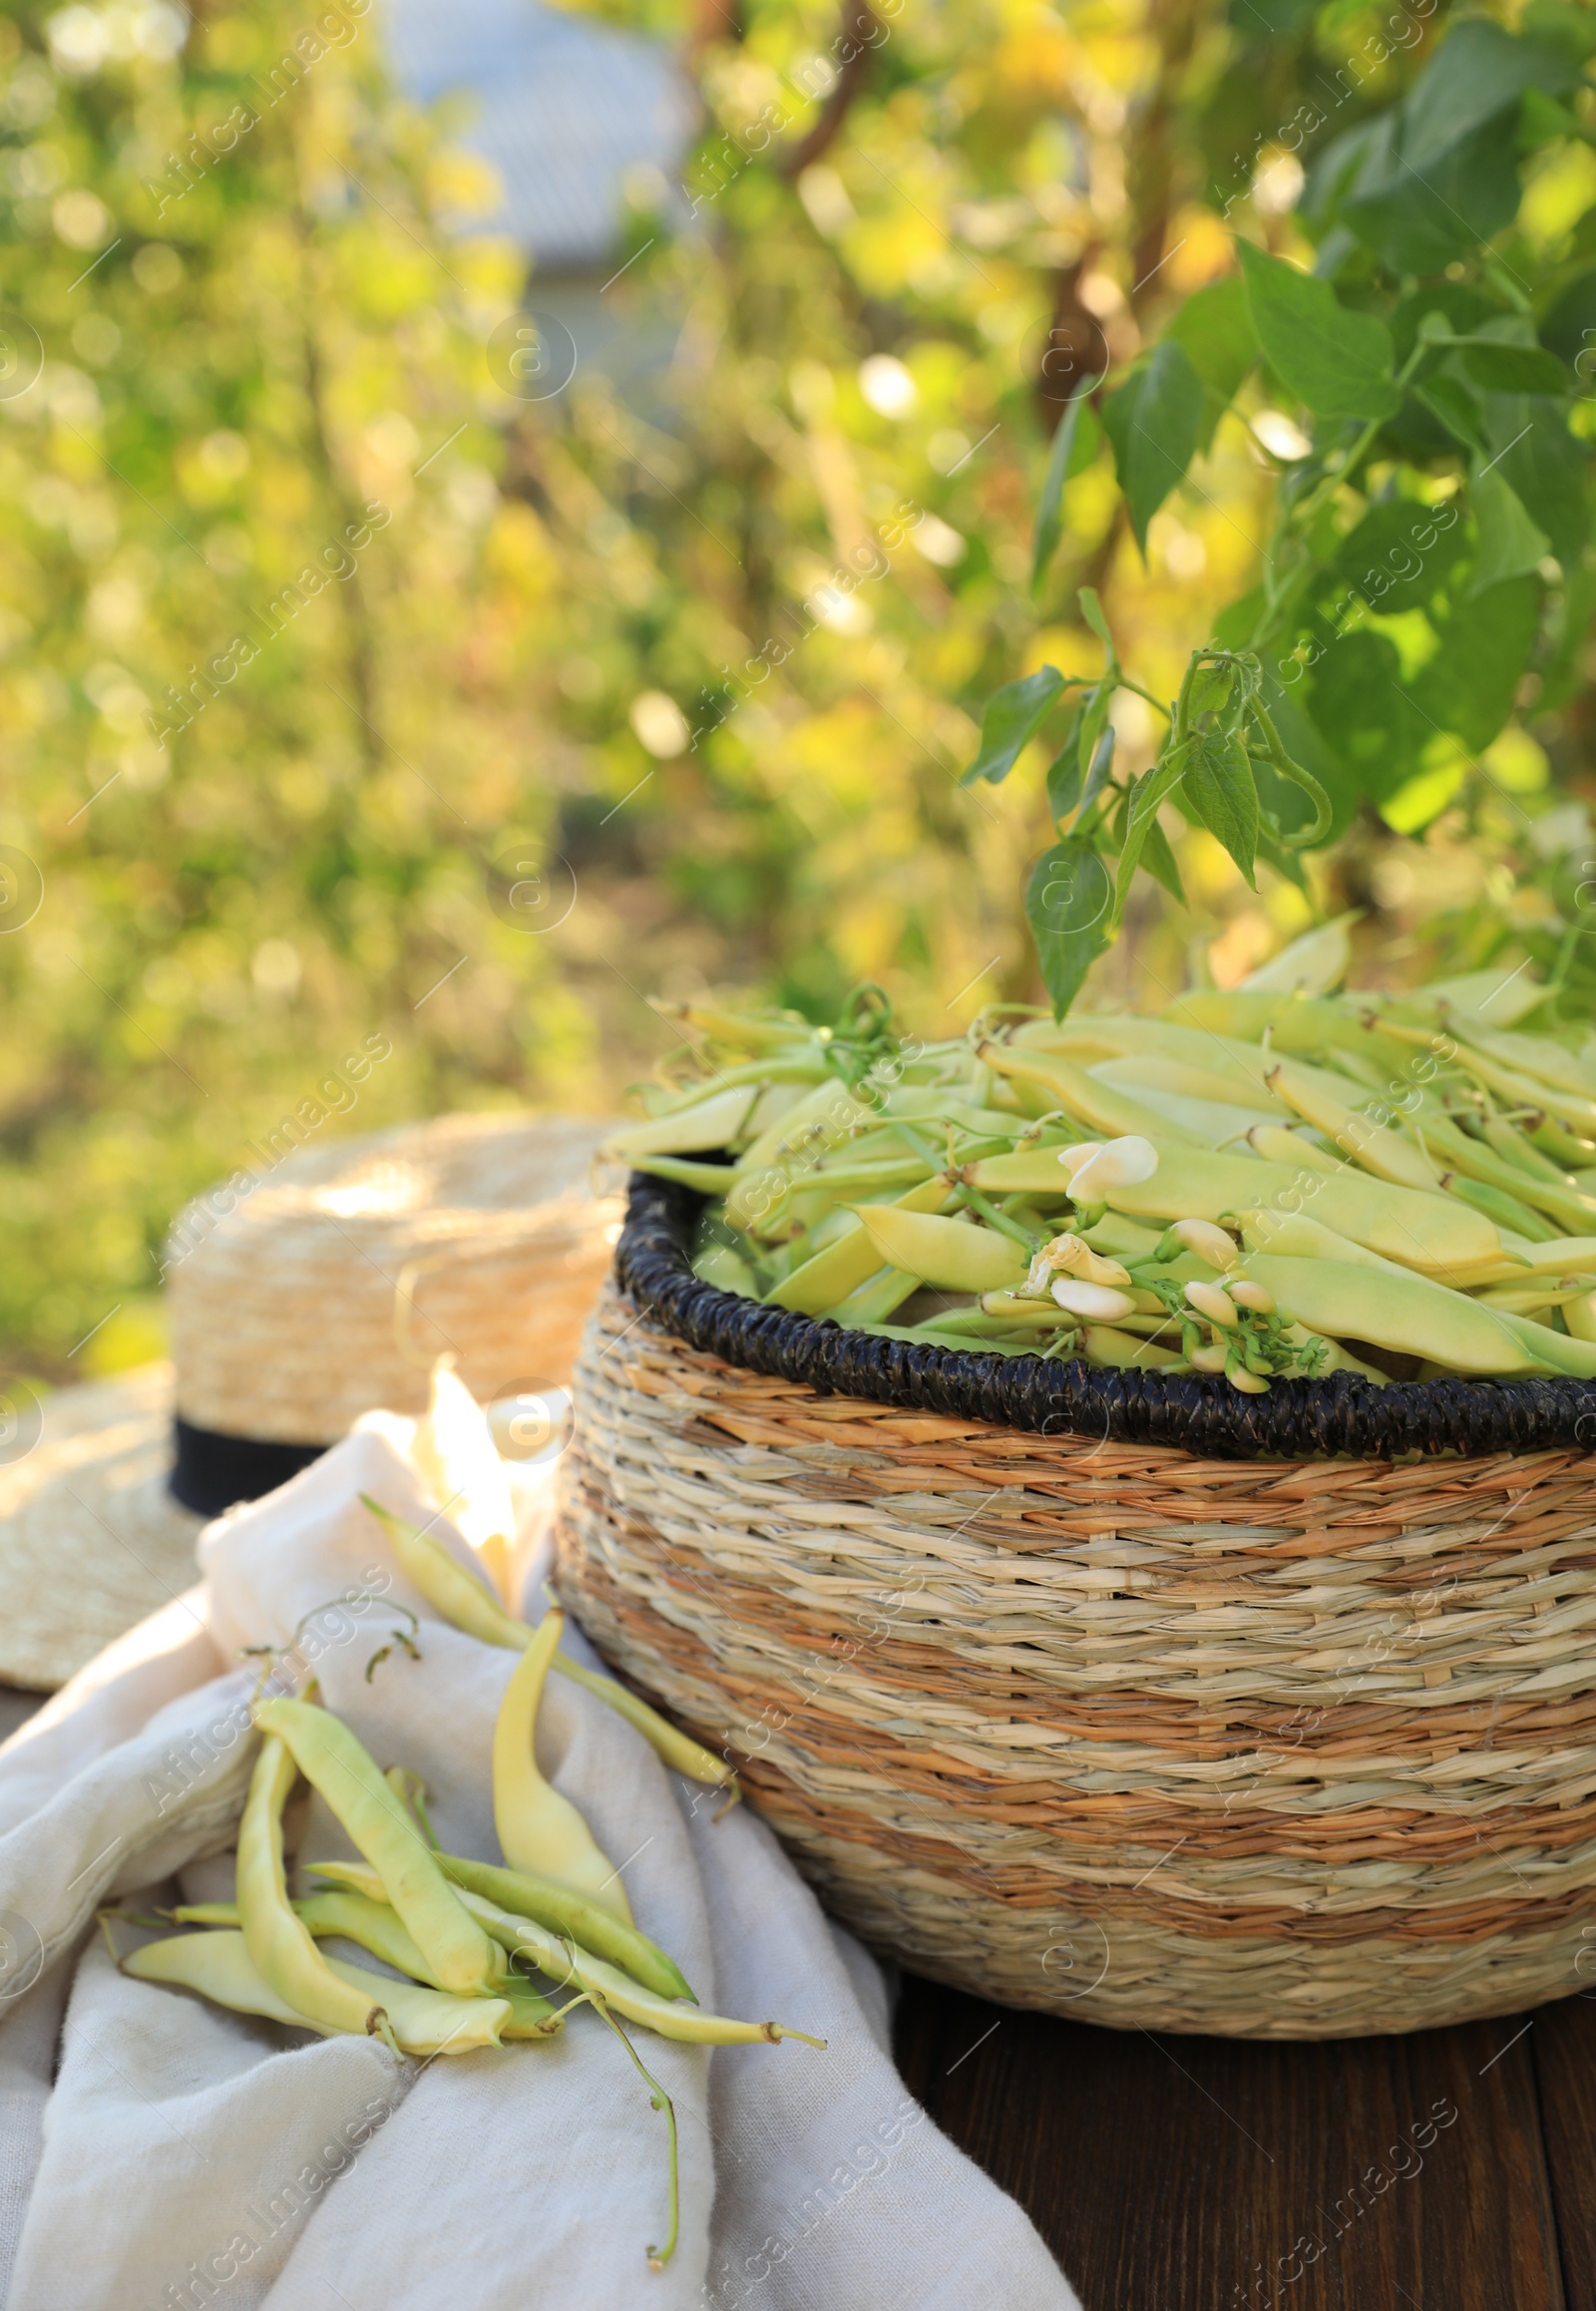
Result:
{"points": [[1342, 1415]]}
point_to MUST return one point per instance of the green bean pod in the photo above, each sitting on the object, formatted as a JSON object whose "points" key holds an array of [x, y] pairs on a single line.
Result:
{"points": [[565, 1962], [457, 1952], [564, 1912], [717, 1263], [555, 1907], [1504, 1209], [1517, 1149]]}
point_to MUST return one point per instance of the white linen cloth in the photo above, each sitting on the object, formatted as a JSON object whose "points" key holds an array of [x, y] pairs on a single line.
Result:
{"points": [[159, 2152]]}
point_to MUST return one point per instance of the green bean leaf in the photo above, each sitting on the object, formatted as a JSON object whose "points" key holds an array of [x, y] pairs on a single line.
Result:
{"points": [[1013, 716], [1498, 368], [1459, 410], [1091, 609], [1139, 812], [1209, 689], [1159, 861], [1068, 903], [1153, 422], [1510, 544], [1337, 361], [1067, 791], [1217, 790], [1535, 454]]}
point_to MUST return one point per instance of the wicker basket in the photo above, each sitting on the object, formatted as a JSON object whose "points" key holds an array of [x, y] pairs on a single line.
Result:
{"points": [[1266, 1748]]}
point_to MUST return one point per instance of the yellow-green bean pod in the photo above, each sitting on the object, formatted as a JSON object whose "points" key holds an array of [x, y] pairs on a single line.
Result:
{"points": [[1453, 1150], [951, 1255], [703, 1179], [851, 1259], [456, 1593], [1378, 1149], [1405, 1312], [218, 1966], [539, 1830], [1580, 1317], [710, 1123], [827, 1114], [431, 2022], [1550, 1062], [564, 1912], [1522, 1090], [717, 1263], [456, 1950], [1531, 1299], [1297, 1024], [1415, 1230], [281, 1947], [1085, 1040], [1564, 1351], [1102, 1105], [872, 1301], [784, 1071], [1564, 1255], [466, 1601], [744, 1030], [1297, 1235], [1105, 1344], [366, 1917]]}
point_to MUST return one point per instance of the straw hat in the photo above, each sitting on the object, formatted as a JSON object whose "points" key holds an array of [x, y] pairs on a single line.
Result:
{"points": [[298, 1298]]}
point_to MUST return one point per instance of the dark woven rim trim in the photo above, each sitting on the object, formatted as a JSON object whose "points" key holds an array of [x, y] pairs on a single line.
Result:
{"points": [[1198, 1412]]}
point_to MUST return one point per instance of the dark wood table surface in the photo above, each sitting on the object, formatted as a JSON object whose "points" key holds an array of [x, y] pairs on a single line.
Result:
{"points": [[1450, 2170], [1454, 2170]]}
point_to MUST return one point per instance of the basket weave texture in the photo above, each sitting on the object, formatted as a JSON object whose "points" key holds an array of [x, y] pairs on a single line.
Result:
{"points": [[1281, 1748]]}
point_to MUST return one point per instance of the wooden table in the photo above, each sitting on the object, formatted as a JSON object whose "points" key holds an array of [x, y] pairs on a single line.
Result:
{"points": [[1211, 2174]]}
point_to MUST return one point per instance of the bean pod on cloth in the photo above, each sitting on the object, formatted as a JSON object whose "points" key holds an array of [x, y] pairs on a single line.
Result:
{"points": [[1269, 1748]]}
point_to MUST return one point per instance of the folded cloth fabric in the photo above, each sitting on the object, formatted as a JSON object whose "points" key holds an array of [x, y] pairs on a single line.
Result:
{"points": [[156, 2151]]}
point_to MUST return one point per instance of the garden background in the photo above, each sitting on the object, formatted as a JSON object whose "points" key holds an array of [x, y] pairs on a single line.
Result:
{"points": [[388, 710]]}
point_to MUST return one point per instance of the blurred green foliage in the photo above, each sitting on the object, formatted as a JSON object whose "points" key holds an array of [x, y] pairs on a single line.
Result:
{"points": [[635, 691]]}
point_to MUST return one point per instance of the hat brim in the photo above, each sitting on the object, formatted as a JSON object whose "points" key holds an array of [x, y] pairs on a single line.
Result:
{"points": [[91, 1538]]}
